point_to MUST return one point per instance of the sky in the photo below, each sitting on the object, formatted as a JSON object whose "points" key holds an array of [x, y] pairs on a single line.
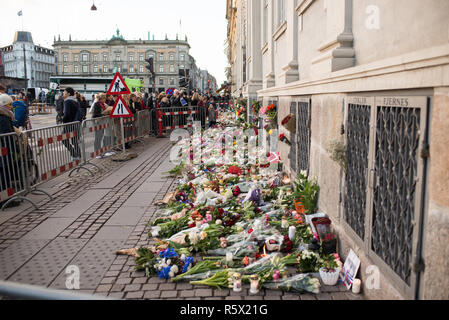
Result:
{"points": [[203, 21]]}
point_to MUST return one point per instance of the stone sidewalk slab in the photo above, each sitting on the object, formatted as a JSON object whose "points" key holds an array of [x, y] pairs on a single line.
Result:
{"points": [[92, 261], [17, 254], [43, 268], [127, 216], [49, 229], [82, 204]]}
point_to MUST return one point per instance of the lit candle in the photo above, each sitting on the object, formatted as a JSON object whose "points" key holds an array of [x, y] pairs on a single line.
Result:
{"points": [[356, 286], [254, 284], [237, 282], [229, 257], [292, 233]]}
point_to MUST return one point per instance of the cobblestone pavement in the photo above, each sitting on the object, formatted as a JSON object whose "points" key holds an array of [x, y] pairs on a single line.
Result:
{"points": [[91, 218]]}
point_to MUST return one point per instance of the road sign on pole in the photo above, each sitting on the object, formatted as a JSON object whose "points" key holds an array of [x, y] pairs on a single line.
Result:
{"points": [[120, 109], [118, 86]]}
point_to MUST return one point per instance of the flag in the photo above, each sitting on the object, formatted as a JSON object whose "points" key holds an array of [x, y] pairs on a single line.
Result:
{"points": [[19, 13]]}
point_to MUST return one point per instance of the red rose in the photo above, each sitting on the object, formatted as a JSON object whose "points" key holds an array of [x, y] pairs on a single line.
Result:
{"points": [[250, 231], [235, 170]]}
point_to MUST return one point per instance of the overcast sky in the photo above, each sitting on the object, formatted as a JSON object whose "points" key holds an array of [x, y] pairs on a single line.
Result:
{"points": [[203, 21]]}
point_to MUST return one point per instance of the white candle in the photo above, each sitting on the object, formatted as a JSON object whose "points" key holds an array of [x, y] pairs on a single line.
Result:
{"points": [[229, 257], [254, 284], [356, 285], [292, 233], [237, 282]]}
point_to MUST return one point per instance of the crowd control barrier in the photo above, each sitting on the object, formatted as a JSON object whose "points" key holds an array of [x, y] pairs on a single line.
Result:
{"points": [[34, 157], [179, 118]]}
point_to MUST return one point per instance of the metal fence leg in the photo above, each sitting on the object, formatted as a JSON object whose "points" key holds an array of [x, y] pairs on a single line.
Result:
{"points": [[5, 205]]}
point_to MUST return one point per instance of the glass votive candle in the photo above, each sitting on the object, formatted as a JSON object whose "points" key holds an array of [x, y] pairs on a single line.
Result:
{"points": [[254, 284]]}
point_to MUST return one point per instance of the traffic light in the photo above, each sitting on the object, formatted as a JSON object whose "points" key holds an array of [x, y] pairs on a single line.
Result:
{"points": [[150, 65], [182, 82]]}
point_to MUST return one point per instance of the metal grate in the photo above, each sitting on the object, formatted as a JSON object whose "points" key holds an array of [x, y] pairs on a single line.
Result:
{"points": [[358, 142], [395, 181], [303, 134], [293, 156]]}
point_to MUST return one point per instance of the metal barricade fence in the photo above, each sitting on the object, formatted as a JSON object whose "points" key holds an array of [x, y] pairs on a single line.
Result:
{"points": [[97, 139], [179, 117], [13, 177], [143, 123], [128, 129], [55, 150]]}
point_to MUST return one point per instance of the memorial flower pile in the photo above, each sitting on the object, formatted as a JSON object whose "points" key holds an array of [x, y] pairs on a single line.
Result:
{"points": [[240, 217]]}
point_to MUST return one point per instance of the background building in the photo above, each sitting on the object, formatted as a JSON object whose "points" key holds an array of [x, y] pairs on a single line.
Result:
{"points": [[372, 76], [91, 65], [23, 59]]}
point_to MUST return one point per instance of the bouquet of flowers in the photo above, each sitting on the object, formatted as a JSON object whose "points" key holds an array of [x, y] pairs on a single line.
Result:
{"points": [[299, 284], [256, 107], [169, 264], [272, 114], [201, 267], [309, 261]]}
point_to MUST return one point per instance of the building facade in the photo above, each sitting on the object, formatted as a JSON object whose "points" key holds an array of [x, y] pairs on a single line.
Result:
{"points": [[100, 60], [23, 59], [353, 73]]}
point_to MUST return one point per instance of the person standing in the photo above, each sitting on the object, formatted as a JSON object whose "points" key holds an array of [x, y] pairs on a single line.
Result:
{"points": [[212, 116], [20, 113], [83, 107], [98, 108], [60, 108], [9, 170], [71, 114]]}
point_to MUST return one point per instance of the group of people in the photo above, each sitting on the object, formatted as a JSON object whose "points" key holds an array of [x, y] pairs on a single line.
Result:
{"points": [[71, 106], [207, 105]]}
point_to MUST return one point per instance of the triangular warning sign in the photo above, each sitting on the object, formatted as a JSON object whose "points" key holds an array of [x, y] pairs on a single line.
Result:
{"points": [[118, 86], [120, 109]]}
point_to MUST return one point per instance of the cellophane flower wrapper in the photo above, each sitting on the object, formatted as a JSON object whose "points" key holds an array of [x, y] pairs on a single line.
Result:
{"points": [[239, 250], [300, 283], [199, 276]]}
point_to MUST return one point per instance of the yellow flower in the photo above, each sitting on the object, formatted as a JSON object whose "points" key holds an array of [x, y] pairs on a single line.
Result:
{"points": [[270, 132]]}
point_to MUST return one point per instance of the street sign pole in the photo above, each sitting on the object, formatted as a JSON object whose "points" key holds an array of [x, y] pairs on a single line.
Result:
{"points": [[123, 136]]}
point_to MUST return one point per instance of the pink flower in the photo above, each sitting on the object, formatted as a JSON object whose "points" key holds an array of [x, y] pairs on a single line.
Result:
{"points": [[208, 217], [315, 235]]}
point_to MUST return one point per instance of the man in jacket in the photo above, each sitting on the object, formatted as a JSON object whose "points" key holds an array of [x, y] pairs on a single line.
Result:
{"points": [[71, 114]]}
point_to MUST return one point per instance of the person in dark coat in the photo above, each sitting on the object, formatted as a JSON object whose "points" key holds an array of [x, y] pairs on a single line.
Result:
{"points": [[71, 114], [98, 109], [60, 108], [8, 168]]}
